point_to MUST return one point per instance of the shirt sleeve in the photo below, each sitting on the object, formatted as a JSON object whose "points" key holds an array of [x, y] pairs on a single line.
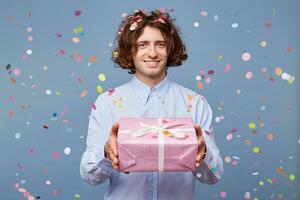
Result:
{"points": [[211, 170], [94, 167]]}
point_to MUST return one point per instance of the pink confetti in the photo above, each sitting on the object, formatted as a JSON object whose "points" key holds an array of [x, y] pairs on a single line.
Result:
{"points": [[58, 35], [227, 68], [207, 80], [223, 194], [211, 72], [55, 155], [20, 165], [249, 75], [94, 106], [204, 13], [11, 98], [11, 113], [229, 136], [31, 151]]}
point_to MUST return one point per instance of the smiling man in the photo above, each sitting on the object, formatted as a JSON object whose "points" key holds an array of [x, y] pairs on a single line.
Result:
{"points": [[147, 44]]}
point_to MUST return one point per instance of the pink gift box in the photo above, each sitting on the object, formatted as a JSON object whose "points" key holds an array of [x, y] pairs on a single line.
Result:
{"points": [[157, 144]]}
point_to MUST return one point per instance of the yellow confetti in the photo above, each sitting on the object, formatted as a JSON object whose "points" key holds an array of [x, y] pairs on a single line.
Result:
{"points": [[256, 150], [101, 77], [99, 89], [261, 183], [292, 177], [75, 40], [252, 125]]}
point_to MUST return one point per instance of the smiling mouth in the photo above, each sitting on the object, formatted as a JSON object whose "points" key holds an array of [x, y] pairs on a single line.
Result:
{"points": [[152, 61]]}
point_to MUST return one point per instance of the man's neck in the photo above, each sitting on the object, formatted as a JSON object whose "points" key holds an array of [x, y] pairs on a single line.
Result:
{"points": [[151, 82]]}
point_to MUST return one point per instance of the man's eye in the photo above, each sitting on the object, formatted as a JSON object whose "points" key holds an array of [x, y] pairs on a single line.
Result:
{"points": [[142, 45], [162, 45]]}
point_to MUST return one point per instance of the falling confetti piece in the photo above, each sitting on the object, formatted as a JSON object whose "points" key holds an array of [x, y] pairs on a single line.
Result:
{"points": [[278, 71], [45, 127], [246, 56], [13, 80], [101, 77], [99, 89], [93, 59], [48, 92], [29, 51], [67, 151], [292, 177], [261, 183], [55, 155], [263, 44], [227, 68], [256, 150], [18, 135], [249, 75], [196, 24], [203, 13], [235, 25], [29, 29], [223, 194], [270, 137], [227, 159], [83, 94], [200, 85], [75, 40], [252, 125], [77, 13], [77, 196]]}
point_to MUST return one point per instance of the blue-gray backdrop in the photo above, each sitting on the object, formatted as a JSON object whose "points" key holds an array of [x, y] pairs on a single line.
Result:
{"points": [[55, 59]]}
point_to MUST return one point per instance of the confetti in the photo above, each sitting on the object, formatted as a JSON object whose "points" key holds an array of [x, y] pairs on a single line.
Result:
{"points": [[235, 25], [246, 56], [256, 150], [55, 155], [77, 13], [48, 92], [75, 40], [196, 24], [29, 51], [249, 75], [67, 151], [101, 77], [99, 89]]}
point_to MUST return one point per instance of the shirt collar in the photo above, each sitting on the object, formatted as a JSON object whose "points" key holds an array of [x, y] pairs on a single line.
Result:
{"points": [[143, 91]]}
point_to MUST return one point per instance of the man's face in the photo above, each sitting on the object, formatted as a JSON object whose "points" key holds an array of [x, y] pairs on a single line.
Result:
{"points": [[151, 57]]}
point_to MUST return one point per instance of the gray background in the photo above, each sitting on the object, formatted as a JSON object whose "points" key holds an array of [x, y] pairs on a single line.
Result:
{"points": [[28, 159]]}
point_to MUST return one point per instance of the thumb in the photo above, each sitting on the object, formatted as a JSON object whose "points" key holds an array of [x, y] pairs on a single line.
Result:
{"points": [[198, 130], [114, 129]]}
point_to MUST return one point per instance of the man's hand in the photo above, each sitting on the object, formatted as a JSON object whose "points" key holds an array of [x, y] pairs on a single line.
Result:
{"points": [[110, 148], [201, 146]]}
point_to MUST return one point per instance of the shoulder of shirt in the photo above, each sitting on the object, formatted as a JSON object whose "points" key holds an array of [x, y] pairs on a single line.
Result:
{"points": [[187, 91], [113, 92]]}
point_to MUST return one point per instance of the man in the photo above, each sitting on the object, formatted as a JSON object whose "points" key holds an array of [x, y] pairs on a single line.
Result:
{"points": [[148, 43]]}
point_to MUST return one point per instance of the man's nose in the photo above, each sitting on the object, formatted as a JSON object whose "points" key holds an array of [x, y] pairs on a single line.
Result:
{"points": [[152, 52]]}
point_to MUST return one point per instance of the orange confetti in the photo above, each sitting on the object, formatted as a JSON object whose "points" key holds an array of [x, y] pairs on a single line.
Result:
{"points": [[93, 59], [270, 136], [13, 80], [83, 94], [200, 85], [247, 142], [190, 97]]}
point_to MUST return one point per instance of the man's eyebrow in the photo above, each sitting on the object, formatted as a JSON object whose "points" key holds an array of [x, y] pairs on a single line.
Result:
{"points": [[147, 41]]}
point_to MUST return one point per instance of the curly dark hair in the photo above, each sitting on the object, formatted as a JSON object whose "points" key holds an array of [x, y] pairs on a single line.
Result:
{"points": [[132, 27]]}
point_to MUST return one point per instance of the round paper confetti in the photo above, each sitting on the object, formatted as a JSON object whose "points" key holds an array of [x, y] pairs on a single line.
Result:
{"points": [[67, 151], [247, 195], [227, 159], [93, 59], [17, 135], [256, 150], [238, 91], [223, 194], [101, 77], [48, 182], [249, 75], [198, 78], [16, 72], [246, 56], [29, 51], [55, 155], [77, 13], [48, 92], [252, 125], [217, 119], [235, 25], [30, 38], [77, 196], [270, 137], [263, 108], [196, 24], [75, 40], [263, 44], [99, 89], [204, 13], [216, 17], [29, 29], [261, 183], [278, 71], [292, 177]]}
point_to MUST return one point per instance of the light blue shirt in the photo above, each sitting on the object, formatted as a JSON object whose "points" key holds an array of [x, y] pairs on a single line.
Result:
{"points": [[136, 99]]}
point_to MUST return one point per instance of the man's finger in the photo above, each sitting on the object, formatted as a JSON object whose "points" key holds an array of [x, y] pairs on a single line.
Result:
{"points": [[114, 129], [198, 130]]}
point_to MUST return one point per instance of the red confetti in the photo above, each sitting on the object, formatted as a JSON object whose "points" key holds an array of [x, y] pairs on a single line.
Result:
{"points": [[211, 72], [45, 127], [77, 13], [94, 106], [55, 155]]}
